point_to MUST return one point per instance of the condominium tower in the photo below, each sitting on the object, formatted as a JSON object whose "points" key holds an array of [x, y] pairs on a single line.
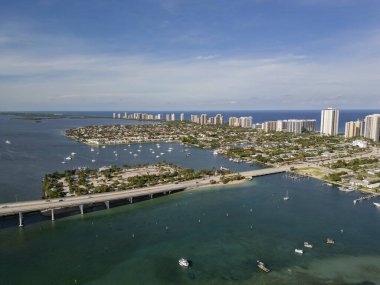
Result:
{"points": [[372, 127], [353, 129], [329, 122]]}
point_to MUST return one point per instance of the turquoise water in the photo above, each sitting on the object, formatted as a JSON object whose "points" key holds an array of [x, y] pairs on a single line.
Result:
{"points": [[214, 228], [223, 231]]}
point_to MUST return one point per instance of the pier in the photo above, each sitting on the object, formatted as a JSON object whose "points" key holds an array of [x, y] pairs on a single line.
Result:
{"points": [[52, 205], [364, 198]]}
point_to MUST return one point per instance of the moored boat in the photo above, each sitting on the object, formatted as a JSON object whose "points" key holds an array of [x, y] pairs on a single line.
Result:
{"points": [[298, 251], [183, 262], [262, 266], [307, 245], [330, 241], [376, 204]]}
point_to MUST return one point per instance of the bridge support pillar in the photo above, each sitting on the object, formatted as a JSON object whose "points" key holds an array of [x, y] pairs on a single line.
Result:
{"points": [[20, 220], [107, 204], [131, 200], [81, 209], [52, 214]]}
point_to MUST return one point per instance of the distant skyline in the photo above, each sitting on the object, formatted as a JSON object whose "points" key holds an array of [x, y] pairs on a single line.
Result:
{"points": [[189, 55]]}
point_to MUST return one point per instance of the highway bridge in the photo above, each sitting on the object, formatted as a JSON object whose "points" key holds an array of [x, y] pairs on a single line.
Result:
{"points": [[51, 205]]}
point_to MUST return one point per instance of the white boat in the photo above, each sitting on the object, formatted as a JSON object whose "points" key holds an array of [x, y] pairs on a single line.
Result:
{"points": [[157, 156], [140, 146], [8, 142], [135, 155], [183, 262], [153, 152], [287, 196], [169, 150], [93, 160], [130, 152], [103, 146], [298, 251], [73, 153], [139, 150], [69, 158], [92, 149], [307, 245], [343, 189], [376, 204], [215, 152], [161, 153]]}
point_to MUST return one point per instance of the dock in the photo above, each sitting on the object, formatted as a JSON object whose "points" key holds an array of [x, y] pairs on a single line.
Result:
{"points": [[364, 198], [51, 205]]}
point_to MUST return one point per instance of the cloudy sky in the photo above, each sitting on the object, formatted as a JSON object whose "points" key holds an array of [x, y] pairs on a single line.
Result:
{"points": [[189, 55]]}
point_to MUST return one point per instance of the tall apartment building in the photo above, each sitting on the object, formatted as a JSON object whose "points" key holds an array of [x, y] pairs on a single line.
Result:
{"points": [[329, 122], [233, 122], [168, 117], [353, 129], [172, 117], [372, 127], [245, 122], [194, 119], [269, 126], [182, 117], [218, 119], [203, 119]]}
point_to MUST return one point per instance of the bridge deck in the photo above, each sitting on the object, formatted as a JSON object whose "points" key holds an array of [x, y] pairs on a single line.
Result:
{"points": [[39, 205]]}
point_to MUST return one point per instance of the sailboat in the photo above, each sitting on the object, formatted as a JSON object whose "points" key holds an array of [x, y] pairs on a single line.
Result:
{"points": [[287, 196]]}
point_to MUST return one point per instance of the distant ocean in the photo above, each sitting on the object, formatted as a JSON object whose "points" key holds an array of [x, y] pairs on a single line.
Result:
{"points": [[258, 116]]}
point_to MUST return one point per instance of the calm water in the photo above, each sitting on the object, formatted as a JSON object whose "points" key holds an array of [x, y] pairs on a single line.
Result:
{"points": [[215, 228]]}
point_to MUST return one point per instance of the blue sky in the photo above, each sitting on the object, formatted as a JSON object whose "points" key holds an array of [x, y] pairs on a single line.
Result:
{"points": [[188, 55]]}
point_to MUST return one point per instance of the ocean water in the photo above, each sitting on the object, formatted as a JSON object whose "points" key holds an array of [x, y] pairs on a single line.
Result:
{"points": [[222, 230]]}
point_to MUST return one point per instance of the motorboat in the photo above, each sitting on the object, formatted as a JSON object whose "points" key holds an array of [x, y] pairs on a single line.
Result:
{"points": [[69, 158], [183, 262], [330, 241], [103, 146], [287, 196], [8, 142], [73, 153], [93, 160], [298, 251], [92, 149], [307, 245], [215, 152], [376, 204], [262, 266], [157, 156]]}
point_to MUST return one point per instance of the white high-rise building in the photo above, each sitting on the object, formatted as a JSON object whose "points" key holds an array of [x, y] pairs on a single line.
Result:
{"points": [[372, 127], [353, 129], [168, 117], [245, 122], [329, 122], [173, 117], [182, 117], [218, 120], [203, 119]]}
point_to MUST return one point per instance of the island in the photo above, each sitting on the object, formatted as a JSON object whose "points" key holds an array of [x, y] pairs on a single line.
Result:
{"points": [[84, 181]]}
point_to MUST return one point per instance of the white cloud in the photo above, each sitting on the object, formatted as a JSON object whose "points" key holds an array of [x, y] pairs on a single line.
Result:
{"points": [[74, 80]]}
